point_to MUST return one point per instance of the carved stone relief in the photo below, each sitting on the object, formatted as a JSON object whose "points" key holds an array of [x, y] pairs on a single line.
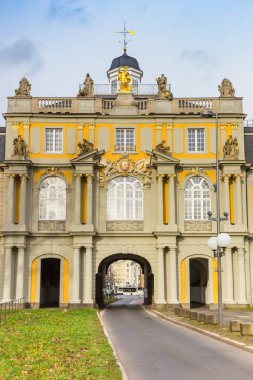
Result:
{"points": [[125, 166], [51, 225], [124, 225], [198, 225]]}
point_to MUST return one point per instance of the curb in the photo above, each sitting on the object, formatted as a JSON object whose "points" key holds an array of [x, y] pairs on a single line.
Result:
{"points": [[121, 366], [231, 342]]}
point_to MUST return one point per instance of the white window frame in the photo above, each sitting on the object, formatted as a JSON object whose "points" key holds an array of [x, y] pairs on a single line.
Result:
{"points": [[196, 142], [51, 147], [197, 199], [124, 147], [125, 199], [52, 199]]}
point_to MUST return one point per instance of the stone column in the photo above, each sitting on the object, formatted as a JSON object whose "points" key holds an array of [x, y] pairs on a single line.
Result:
{"points": [[7, 274], [172, 199], [20, 273], [23, 189], [10, 211], [76, 276], [226, 193], [229, 283], [78, 199], [160, 276], [238, 199], [89, 198], [241, 277], [173, 299], [88, 276], [160, 198]]}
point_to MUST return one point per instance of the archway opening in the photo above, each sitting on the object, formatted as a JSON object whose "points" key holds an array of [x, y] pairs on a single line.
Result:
{"points": [[137, 278], [50, 282], [198, 282]]}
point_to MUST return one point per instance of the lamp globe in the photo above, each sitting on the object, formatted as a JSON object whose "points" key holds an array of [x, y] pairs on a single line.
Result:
{"points": [[223, 240], [212, 243]]}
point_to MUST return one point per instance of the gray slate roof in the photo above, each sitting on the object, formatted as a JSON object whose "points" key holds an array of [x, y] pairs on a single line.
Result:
{"points": [[125, 60], [248, 141], [2, 143]]}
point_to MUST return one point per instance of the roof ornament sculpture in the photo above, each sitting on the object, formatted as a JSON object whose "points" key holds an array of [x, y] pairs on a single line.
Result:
{"points": [[231, 149], [125, 79], [87, 88], [226, 89], [24, 88], [19, 147], [163, 148], [163, 92], [85, 146]]}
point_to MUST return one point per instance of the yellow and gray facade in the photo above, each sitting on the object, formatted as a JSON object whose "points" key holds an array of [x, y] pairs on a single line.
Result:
{"points": [[169, 242]]}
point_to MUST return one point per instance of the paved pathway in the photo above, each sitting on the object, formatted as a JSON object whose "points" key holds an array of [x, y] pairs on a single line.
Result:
{"points": [[153, 349]]}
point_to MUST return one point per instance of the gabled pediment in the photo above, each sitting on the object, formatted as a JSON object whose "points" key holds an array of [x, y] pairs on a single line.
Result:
{"points": [[88, 158], [162, 158]]}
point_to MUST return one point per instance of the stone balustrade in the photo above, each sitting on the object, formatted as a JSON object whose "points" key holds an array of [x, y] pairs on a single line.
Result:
{"points": [[104, 104]]}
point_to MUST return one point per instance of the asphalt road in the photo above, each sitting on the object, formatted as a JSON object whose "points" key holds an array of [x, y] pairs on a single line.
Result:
{"points": [[153, 349]]}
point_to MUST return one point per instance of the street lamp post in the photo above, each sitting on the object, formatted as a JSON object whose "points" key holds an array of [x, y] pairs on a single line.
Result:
{"points": [[218, 219]]}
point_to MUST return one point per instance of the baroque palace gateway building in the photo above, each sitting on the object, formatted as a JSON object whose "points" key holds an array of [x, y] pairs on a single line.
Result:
{"points": [[123, 171]]}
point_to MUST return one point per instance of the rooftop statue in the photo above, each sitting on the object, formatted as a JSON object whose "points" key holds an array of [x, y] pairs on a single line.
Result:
{"points": [[163, 149], [124, 78], [24, 88], [88, 87], [163, 93], [231, 149], [19, 147], [85, 146], [226, 89]]}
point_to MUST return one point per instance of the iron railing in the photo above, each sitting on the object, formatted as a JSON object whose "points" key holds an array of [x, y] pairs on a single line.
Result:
{"points": [[138, 89], [6, 308], [248, 123]]}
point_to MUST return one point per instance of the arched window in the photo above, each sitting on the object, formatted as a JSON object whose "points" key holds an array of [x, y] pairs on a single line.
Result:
{"points": [[197, 199], [124, 199], [52, 201]]}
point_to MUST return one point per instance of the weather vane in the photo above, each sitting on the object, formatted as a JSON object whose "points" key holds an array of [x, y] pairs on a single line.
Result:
{"points": [[125, 33]]}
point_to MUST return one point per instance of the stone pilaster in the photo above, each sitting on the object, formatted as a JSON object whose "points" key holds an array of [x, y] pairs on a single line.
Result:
{"points": [[172, 199], [20, 273], [238, 184], [76, 276], [229, 283], [173, 297], [241, 277], [23, 192], [160, 276], [90, 178], [7, 274], [159, 178], [10, 210], [78, 198], [88, 276], [225, 179]]}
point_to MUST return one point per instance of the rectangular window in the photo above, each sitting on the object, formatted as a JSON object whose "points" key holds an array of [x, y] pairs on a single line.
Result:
{"points": [[114, 85], [125, 140], [196, 140], [54, 140]]}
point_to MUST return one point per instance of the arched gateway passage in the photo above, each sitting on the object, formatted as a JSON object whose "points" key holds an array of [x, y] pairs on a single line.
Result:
{"points": [[146, 270]]}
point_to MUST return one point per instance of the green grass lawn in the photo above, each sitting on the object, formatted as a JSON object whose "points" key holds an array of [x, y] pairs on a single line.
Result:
{"points": [[55, 344]]}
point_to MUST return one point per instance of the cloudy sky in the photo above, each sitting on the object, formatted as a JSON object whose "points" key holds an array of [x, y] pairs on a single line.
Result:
{"points": [[195, 43]]}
